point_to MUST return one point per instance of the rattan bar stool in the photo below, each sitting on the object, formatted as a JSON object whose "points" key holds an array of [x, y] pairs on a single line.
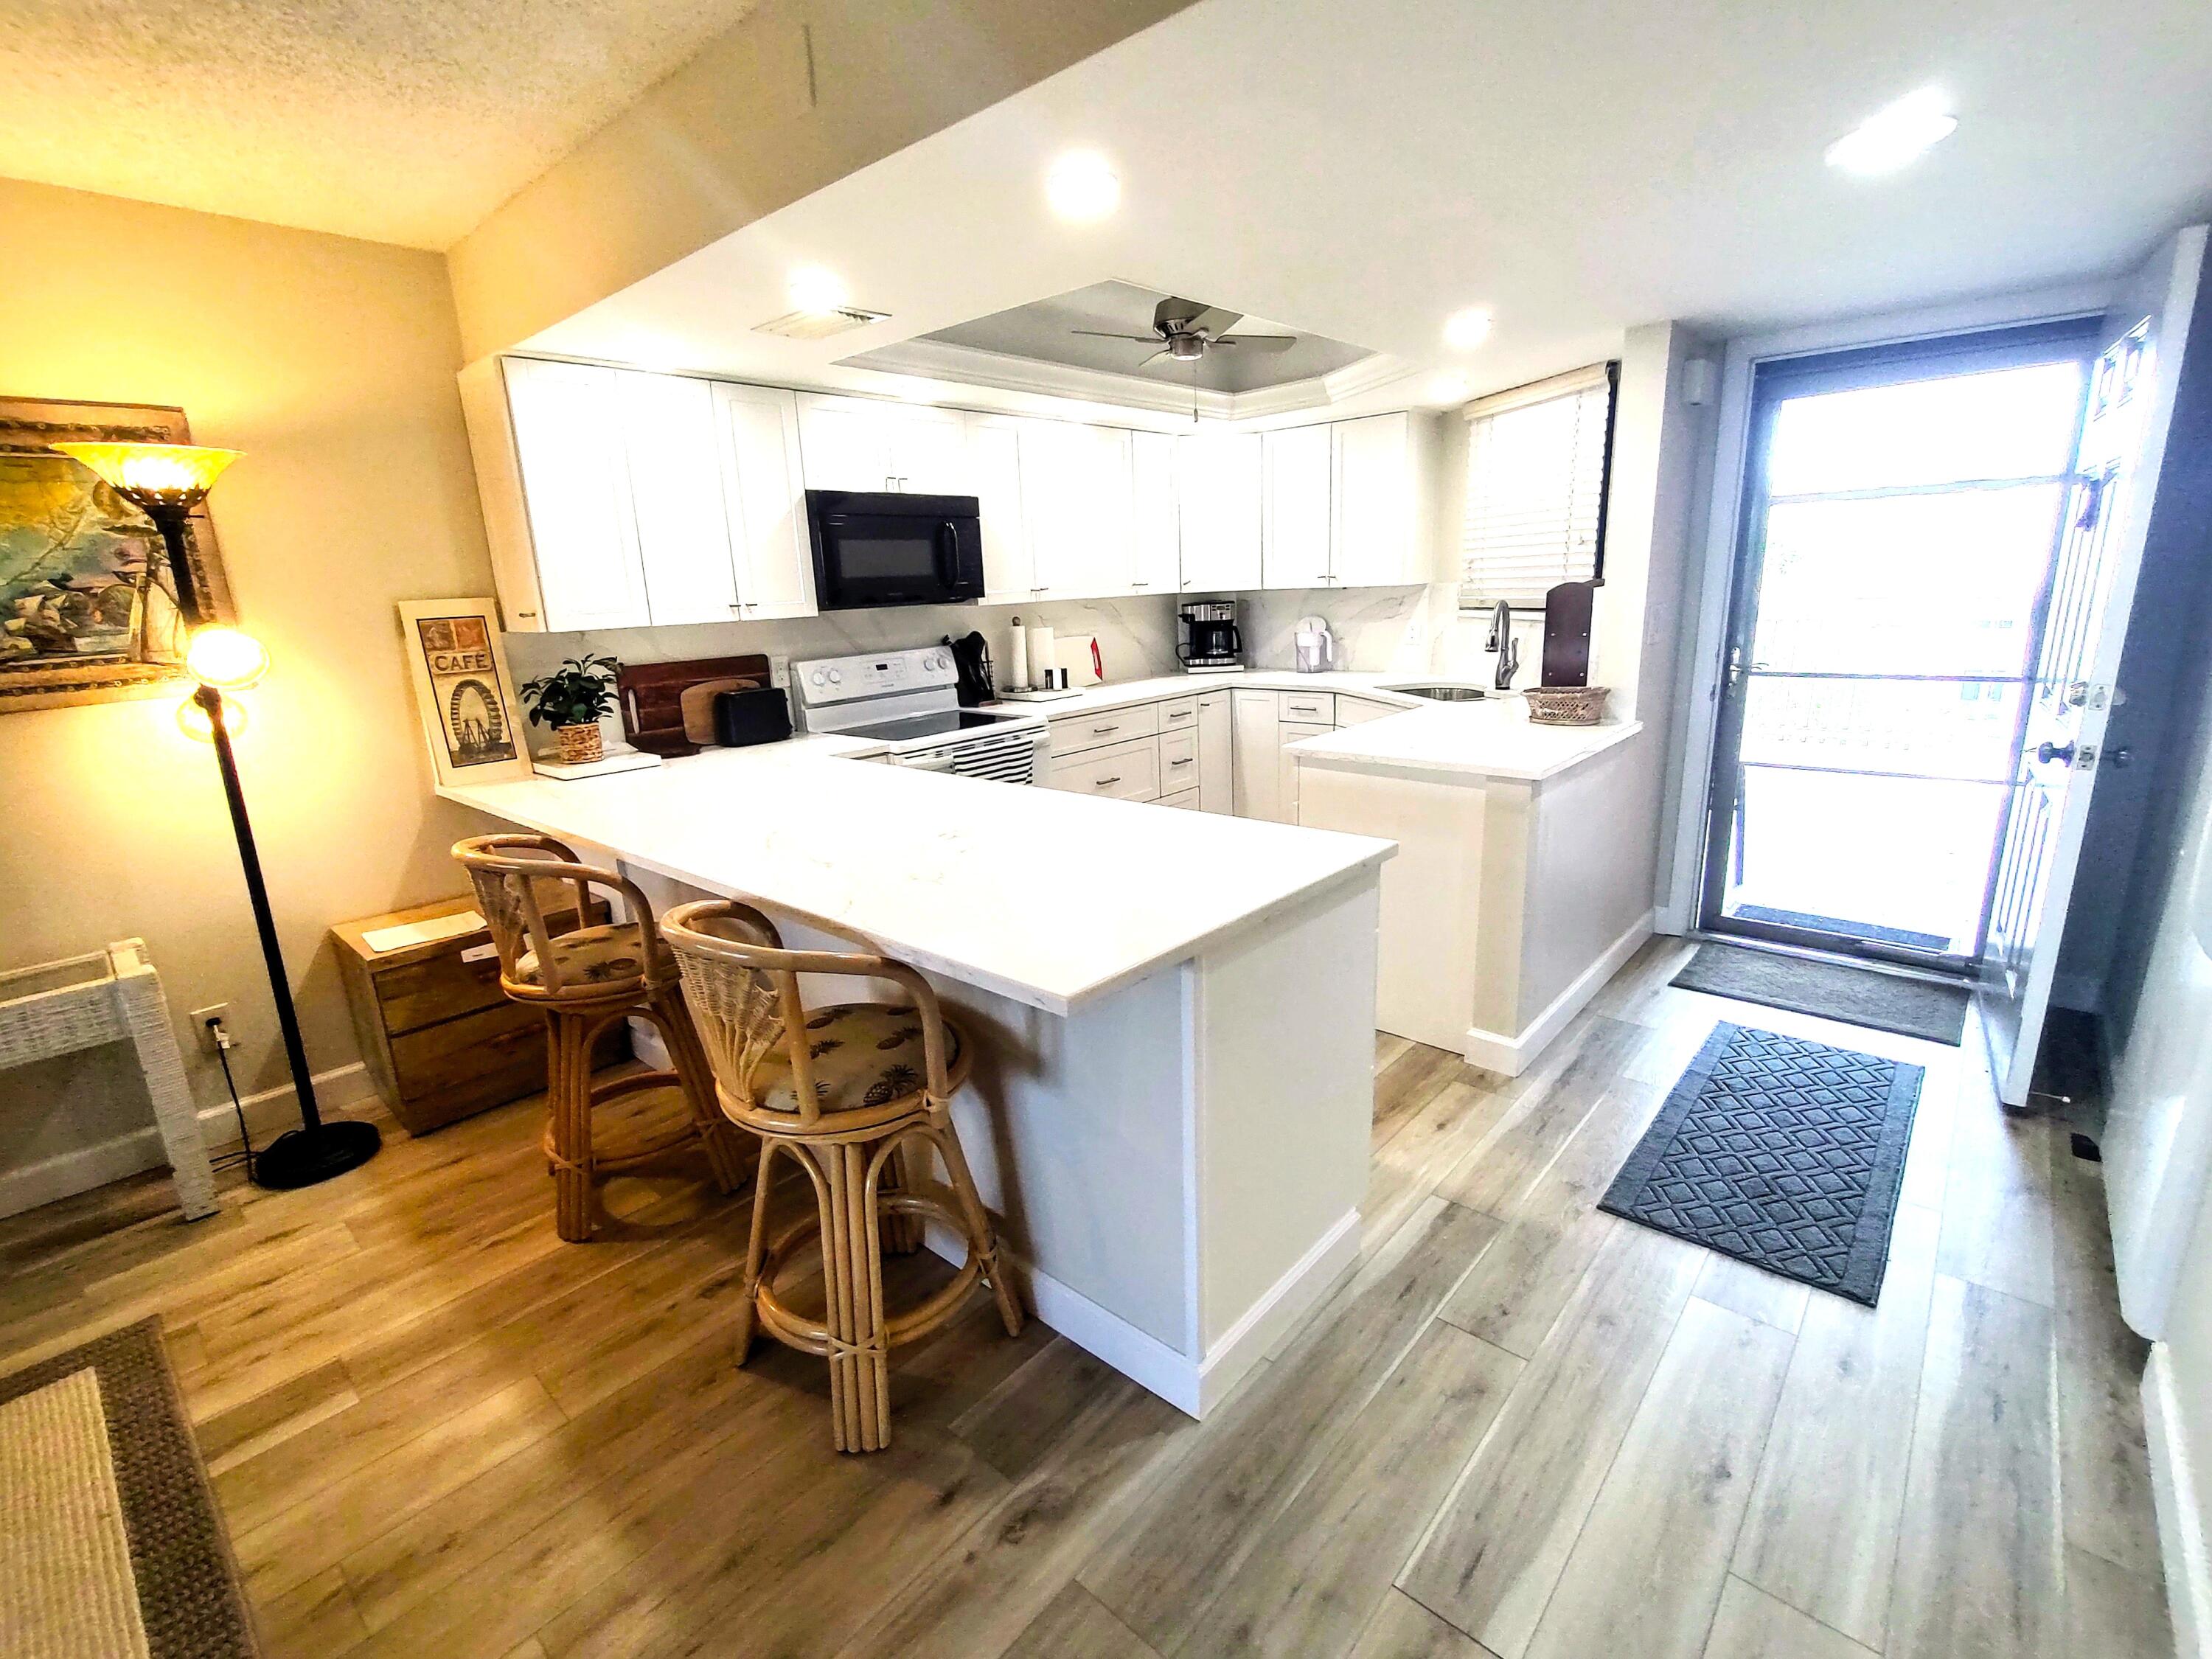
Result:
{"points": [[847, 1092], [586, 979]]}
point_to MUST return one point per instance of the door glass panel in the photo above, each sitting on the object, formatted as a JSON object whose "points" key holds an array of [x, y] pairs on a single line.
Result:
{"points": [[2002, 423], [1902, 545]]}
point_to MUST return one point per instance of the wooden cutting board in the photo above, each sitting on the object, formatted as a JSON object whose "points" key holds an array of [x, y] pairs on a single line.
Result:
{"points": [[652, 695]]}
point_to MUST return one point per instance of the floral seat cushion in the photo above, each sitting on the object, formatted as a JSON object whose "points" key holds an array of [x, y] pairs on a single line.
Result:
{"points": [[590, 956], [865, 1054]]}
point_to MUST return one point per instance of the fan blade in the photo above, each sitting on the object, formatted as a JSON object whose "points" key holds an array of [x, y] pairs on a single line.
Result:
{"points": [[1099, 334], [1155, 357], [1259, 342]]}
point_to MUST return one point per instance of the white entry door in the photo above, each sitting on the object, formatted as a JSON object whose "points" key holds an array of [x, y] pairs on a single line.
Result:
{"points": [[2084, 618]]}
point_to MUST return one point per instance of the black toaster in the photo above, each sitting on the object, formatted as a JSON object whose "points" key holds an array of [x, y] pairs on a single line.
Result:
{"points": [[762, 715]]}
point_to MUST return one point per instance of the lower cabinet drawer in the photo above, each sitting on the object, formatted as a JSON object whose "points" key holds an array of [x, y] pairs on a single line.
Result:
{"points": [[1126, 771], [448, 1071], [1073, 732], [1308, 708], [1185, 798], [1178, 762], [1180, 714]]}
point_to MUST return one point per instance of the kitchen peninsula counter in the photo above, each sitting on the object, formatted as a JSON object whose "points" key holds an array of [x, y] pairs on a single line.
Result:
{"points": [[1174, 1014]]}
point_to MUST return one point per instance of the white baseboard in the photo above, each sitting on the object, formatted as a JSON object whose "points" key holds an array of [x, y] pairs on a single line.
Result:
{"points": [[1192, 1387], [1512, 1056], [2179, 1508], [80, 1168]]}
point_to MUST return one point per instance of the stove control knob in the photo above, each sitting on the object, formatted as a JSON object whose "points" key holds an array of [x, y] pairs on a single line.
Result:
{"points": [[937, 661], [836, 678], [815, 678]]}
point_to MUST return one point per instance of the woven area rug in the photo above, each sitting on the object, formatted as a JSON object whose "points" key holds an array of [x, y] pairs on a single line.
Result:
{"points": [[1781, 1153], [1833, 990], [110, 1545]]}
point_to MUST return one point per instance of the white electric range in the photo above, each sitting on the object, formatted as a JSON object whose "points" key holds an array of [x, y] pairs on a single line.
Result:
{"points": [[908, 701]]}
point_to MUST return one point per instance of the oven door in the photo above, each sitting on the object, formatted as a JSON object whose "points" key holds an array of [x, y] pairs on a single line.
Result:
{"points": [[873, 549]]}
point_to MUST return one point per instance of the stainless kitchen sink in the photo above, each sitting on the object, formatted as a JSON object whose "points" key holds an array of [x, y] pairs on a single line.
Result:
{"points": [[1440, 693]]}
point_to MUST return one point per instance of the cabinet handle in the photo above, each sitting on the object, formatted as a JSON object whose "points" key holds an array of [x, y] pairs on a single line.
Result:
{"points": [[1103, 782], [1185, 761], [736, 610], [520, 615], [1101, 731], [1138, 584]]}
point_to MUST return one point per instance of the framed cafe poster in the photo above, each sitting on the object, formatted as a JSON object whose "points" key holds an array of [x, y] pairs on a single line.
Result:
{"points": [[463, 691]]}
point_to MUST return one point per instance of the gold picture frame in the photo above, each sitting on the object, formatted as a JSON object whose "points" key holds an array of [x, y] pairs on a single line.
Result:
{"points": [[87, 608], [463, 690]]}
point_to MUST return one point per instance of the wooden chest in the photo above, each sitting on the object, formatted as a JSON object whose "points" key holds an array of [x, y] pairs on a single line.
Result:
{"points": [[439, 1039]]}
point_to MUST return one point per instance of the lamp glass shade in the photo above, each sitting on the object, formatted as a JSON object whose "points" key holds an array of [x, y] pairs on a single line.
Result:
{"points": [[166, 475], [192, 719], [228, 659]]}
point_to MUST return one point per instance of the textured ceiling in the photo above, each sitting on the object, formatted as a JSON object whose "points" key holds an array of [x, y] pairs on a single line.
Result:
{"points": [[398, 120]]}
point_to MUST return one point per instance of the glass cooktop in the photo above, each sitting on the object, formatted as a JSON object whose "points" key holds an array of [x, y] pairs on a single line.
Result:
{"points": [[939, 723]]}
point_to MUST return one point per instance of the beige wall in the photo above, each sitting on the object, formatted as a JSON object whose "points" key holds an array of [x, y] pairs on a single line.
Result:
{"points": [[330, 363], [795, 97]]}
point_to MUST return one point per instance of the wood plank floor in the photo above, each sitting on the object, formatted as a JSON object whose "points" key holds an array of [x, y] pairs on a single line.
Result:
{"points": [[1517, 1427]]}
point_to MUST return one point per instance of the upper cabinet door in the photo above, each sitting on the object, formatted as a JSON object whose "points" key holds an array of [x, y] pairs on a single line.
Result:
{"points": [[929, 451], [845, 443], [995, 466], [1218, 491], [766, 493], [575, 481], [1159, 529], [676, 496], [1079, 498], [1374, 509], [1297, 524]]}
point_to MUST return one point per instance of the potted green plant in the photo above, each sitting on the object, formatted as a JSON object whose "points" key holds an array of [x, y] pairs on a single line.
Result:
{"points": [[572, 700]]}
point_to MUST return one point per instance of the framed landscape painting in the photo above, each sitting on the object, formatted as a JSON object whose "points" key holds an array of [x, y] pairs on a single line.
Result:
{"points": [[87, 605]]}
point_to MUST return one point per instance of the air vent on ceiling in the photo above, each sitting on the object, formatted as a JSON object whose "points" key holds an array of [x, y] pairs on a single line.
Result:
{"points": [[819, 324]]}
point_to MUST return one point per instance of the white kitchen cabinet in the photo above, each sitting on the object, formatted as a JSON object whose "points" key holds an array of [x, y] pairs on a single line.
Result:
{"points": [[1218, 499], [1297, 526], [1159, 527], [1372, 514], [995, 464], [1286, 769], [567, 435], [676, 498], [1079, 507], [859, 443], [1217, 776], [764, 498], [1256, 757]]}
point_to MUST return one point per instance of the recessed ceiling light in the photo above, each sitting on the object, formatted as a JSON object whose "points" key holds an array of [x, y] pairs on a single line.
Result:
{"points": [[1465, 329], [1890, 138], [1081, 187], [816, 289], [1448, 388]]}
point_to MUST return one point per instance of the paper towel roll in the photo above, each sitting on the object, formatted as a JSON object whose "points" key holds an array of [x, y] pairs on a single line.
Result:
{"points": [[1041, 660], [1018, 659]]}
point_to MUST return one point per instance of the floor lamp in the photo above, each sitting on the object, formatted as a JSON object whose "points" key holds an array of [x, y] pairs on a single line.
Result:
{"points": [[166, 482]]}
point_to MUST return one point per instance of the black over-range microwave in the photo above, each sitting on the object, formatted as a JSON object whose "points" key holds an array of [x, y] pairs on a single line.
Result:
{"points": [[889, 547]]}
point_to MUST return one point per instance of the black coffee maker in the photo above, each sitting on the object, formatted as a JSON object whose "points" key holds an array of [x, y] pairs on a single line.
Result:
{"points": [[1208, 640]]}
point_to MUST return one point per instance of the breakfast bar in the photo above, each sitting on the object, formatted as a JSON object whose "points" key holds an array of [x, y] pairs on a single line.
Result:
{"points": [[1169, 1112]]}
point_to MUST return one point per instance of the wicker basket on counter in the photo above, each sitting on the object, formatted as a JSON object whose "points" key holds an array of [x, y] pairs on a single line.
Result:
{"points": [[1567, 705]]}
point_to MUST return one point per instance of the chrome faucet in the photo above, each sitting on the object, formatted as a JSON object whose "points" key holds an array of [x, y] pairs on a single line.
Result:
{"points": [[1501, 642]]}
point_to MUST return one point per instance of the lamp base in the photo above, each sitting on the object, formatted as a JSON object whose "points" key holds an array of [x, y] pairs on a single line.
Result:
{"points": [[300, 1157]]}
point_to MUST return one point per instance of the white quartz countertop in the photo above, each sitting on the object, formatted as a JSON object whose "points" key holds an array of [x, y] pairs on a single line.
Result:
{"points": [[1492, 738], [1119, 694], [1040, 894]]}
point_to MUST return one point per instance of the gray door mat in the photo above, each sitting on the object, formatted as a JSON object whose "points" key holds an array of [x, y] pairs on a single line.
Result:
{"points": [[1833, 990], [1782, 1152]]}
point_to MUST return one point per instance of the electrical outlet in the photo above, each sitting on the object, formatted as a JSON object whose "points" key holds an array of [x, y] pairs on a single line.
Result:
{"points": [[214, 1013]]}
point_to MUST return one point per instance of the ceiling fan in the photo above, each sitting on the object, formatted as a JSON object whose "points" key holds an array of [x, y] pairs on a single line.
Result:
{"points": [[1186, 330]]}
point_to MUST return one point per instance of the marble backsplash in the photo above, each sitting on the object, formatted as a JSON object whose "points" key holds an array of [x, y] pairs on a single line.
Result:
{"points": [[1384, 630]]}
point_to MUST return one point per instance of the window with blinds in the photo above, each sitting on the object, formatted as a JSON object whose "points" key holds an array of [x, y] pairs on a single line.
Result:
{"points": [[1536, 464]]}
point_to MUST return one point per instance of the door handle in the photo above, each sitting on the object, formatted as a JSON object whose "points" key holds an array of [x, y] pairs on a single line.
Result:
{"points": [[2047, 752]]}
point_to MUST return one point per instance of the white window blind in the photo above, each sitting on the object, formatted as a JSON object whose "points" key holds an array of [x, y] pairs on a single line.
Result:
{"points": [[1535, 487]]}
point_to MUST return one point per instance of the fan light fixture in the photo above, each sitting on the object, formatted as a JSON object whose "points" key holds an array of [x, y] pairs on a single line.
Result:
{"points": [[1466, 329], [817, 289], [1894, 137], [1081, 188]]}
